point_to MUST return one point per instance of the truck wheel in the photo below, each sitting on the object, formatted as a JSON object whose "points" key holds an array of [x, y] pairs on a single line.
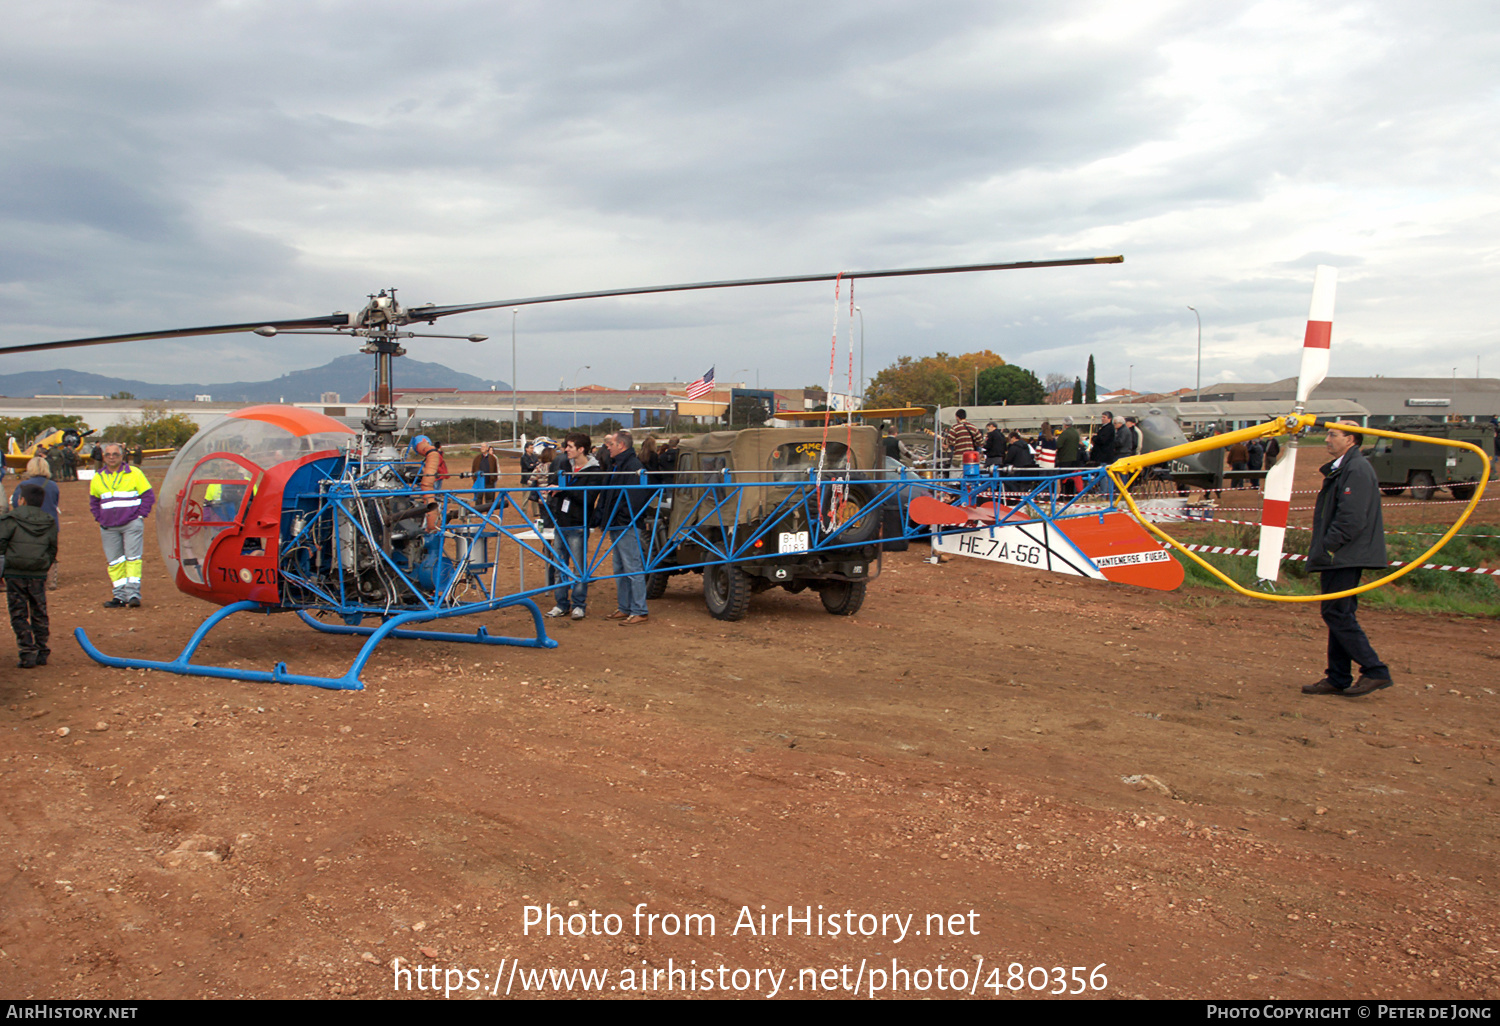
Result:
{"points": [[1422, 485], [1463, 493], [726, 591], [656, 585], [843, 598]]}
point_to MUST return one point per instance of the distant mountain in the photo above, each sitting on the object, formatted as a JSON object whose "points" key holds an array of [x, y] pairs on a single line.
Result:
{"points": [[349, 376]]}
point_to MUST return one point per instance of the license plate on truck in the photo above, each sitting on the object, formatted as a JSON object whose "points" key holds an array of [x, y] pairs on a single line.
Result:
{"points": [[792, 541]]}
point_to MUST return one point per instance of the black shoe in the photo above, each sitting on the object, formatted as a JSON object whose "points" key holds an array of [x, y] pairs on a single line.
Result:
{"points": [[114, 603], [1365, 685], [27, 664], [41, 658], [1324, 687], [134, 603]]}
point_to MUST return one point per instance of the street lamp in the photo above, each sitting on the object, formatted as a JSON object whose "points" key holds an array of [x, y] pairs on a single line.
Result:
{"points": [[579, 371], [1200, 355]]}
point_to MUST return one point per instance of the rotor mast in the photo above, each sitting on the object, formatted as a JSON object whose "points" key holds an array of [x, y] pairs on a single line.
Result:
{"points": [[378, 323]]}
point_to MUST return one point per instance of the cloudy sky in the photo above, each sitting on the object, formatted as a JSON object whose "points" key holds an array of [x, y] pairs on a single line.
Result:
{"points": [[176, 163]]}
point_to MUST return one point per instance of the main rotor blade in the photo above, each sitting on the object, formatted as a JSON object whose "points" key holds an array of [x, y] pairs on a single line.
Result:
{"points": [[428, 313], [325, 321], [431, 313]]}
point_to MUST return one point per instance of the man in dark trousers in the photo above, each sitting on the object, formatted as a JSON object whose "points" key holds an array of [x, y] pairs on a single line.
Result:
{"points": [[1348, 537]]}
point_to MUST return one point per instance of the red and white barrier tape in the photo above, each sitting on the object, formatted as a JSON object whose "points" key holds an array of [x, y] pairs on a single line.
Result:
{"points": [[1224, 550], [1386, 504], [1303, 527]]}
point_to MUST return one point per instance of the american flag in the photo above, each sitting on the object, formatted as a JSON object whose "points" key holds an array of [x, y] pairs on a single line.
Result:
{"points": [[703, 386]]}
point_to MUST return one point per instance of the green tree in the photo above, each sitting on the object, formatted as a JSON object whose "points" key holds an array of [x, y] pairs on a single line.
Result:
{"points": [[1090, 390], [122, 395], [1010, 386], [928, 381], [1077, 391], [155, 428], [29, 427]]}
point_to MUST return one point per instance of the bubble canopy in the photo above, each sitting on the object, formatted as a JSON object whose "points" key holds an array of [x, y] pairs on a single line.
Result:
{"points": [[263, 436]]}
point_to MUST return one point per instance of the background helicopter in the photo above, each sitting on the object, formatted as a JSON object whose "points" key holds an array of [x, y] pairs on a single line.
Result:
{"points": [[280, 509]]}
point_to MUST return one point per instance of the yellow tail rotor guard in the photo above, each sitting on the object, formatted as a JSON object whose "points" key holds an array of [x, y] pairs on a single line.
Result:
{"points": [[1123, 473]]}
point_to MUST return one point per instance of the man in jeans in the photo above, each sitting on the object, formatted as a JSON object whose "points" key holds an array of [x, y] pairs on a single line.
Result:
{"points": [[622, 507], [121, 498]]}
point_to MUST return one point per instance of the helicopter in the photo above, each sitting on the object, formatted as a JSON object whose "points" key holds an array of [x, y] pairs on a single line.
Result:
{"points": [[280, 509]]}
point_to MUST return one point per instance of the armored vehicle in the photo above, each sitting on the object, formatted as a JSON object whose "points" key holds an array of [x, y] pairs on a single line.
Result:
{"points": [[1401, 464], [776, 515]]}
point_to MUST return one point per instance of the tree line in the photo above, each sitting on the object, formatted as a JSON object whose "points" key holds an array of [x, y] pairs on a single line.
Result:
{"points": [[978, 379]]}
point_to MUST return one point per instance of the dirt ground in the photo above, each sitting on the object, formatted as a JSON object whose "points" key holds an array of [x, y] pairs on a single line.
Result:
{"points": [[1059, 773]]}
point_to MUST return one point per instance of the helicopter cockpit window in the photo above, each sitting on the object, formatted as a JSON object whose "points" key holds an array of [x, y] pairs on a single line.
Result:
{"points": [[217, 495], [249, 442], [793, 460]]}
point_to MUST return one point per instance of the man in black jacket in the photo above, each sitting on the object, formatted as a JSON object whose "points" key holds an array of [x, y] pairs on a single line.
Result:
{"points": [[1104, 441], [994, 446], [1348, 537], [571, 506]]}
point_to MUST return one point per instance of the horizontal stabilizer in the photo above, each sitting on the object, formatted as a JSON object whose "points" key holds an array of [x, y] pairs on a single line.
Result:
{"points": [[1111, 547]]}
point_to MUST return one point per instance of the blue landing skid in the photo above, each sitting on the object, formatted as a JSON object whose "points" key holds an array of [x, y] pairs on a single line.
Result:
{"points": [[349, 681]]}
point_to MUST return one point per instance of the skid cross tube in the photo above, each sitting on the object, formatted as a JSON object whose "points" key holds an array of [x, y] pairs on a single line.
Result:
{"points": [[393, 627]]}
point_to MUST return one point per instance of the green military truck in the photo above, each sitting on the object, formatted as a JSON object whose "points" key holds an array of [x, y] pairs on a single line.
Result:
{"points": [[1400, 464], [762, 528]]}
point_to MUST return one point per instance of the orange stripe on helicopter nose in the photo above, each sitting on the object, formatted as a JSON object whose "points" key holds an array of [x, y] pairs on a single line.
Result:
{"points": [[1273, 513], [1319, 335]]}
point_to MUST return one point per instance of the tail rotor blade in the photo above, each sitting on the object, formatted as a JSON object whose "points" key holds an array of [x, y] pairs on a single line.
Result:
{"points": [[1319, 333], [1278, 499], [1278, 494]]}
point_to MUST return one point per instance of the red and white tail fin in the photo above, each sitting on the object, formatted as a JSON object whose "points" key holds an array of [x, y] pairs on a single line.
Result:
{"points": [[1278, 494]]}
